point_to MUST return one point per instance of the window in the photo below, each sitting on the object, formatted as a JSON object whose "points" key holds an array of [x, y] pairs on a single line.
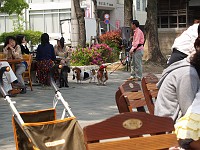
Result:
{"points": [[48, 20], [120, 1], [144, 4], [138, 5], [37, 22]]}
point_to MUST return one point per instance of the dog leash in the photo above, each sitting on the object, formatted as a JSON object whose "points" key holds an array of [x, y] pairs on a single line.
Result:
{"points": [[118, 65], [116, 68]]}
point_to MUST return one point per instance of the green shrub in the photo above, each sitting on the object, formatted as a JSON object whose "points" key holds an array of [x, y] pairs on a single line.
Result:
{"points": [[113, 39], [33, 36], [106, 52], [96, 55], [81, 56]]}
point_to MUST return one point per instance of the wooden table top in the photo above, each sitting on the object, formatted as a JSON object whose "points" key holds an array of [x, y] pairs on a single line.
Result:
{"points": [[13, 60]]}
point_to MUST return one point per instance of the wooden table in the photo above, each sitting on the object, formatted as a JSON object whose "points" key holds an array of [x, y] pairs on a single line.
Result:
{"points": [[13, 62]]}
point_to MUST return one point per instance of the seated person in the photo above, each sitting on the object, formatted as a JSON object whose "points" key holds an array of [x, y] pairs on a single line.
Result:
{"points": [[8, 78], [65, 55], [45, 57], [178, 96], [13, 51], [21, 41], [178, 85], [62, 51]]}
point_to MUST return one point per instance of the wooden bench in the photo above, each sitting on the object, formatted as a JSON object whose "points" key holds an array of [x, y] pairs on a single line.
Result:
{"points": [[150, 90], [137, 125], [129, 96]]}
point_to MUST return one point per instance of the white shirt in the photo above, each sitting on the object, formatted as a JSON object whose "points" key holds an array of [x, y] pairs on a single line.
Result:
{"points": [[185, 42]]}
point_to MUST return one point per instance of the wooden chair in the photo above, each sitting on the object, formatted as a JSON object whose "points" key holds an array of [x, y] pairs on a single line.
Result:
{"points": [[150, 90], [27, 73], [129, 96], [2, 56], [137, 125]]}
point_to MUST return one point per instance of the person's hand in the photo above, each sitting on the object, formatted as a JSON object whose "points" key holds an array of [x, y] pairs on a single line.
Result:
{"points": [[9, 47], [131, 52], [24, 43]]}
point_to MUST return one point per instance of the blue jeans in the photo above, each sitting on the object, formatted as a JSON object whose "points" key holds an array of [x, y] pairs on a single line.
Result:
{"points": [[136, 66]]}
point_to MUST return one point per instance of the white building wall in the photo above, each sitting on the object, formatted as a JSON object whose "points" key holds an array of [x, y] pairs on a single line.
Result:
{"points": [[52, 12], [141, 14], [141, 17], [118, 16]]}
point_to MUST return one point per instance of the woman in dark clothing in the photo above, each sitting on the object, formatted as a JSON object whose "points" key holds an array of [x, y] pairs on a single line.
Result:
{"points": [[45, 57], [21, 41]]}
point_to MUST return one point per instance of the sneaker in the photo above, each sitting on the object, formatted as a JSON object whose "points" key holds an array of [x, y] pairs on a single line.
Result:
{"points": [[130, 78]]}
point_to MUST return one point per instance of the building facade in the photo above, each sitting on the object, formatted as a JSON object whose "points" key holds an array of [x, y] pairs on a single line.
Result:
{"points": [[57, 17]]}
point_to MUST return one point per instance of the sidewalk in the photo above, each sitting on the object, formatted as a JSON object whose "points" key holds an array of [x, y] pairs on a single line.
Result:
{"points": [[89, 103]]}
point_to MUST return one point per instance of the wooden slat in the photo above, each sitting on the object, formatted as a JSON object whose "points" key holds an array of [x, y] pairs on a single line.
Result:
{"points": [[134, 95], [132, 91], [164, 141], [151, 86], [137, 103], [113, 127], [147, 132], [154, 94], [150, 90]]}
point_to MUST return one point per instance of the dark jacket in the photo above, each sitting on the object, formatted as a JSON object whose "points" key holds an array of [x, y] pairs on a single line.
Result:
{"points": [[24, 49], [45, 52]]}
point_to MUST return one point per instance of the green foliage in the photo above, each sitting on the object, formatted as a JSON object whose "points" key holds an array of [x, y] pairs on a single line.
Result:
{"points": [[13, 6], [33, 36], [107, 51], [18, 24], [81, 56], [96, 55], [113, 39]]}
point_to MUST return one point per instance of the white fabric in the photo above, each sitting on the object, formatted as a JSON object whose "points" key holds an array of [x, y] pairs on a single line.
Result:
{"points": [[8, 77], [185, 42]]}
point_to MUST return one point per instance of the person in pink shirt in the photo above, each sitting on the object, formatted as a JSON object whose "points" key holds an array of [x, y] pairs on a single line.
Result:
{"points": [[136, 52]]}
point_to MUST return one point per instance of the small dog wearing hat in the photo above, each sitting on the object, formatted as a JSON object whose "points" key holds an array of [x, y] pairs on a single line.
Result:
{"points": [[84, 75], [102, 75]]}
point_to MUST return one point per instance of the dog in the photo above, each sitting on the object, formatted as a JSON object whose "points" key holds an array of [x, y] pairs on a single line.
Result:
{"points": [[84, 75], [102, 75], [63, 76]]}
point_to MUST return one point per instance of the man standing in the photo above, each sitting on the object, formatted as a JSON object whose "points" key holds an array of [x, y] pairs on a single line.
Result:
{"points": [[136, 52]]}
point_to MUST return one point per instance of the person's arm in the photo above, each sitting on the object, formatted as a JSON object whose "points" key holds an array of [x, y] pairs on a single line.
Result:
{"points": [[186, 90], [5, 50], [17, 54], [56, 50]]}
